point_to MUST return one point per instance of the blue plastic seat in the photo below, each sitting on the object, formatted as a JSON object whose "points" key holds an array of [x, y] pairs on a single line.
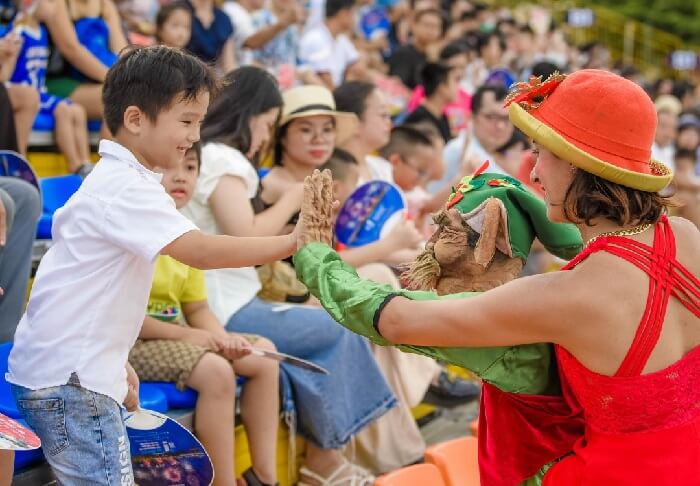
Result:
{"points": [[152, 398], [186, 398], [176, 398], [8, 406], [27, 458], [55, 193], [44, 122]]}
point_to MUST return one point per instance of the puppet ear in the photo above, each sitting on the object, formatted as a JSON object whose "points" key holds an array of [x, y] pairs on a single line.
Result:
{"points": [[493, 233]]}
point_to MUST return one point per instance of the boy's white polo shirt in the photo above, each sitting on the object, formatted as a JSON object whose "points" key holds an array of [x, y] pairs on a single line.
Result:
{"points": [[90, 293]]}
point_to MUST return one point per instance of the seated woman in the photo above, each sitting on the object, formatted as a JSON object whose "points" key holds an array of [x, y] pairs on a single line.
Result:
{"points": [[97, 27], [212, 35], [308, 131], [330, 409], [196, 351]]}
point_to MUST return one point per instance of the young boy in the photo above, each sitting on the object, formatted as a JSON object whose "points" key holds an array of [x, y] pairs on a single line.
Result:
{"points": [[69, 366], [195, 350], [411, 156]]}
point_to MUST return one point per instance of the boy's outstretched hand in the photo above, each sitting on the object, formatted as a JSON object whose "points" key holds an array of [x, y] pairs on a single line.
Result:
{"points": [[316, 220]]}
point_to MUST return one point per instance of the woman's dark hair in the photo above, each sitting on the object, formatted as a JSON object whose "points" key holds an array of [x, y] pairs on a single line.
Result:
{"points": [[166, 11], [589, 197], [432, 76], [352, 96], [248, 91]]}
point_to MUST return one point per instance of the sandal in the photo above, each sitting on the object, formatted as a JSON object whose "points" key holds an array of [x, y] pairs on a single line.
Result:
{"points": [[347, 474], [252, 479]]}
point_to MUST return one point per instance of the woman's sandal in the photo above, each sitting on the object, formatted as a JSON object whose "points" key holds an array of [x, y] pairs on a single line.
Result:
{"points": [[347, 474]]}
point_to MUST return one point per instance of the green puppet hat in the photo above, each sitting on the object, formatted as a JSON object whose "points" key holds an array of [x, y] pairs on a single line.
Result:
{"points": [[524, 215]]}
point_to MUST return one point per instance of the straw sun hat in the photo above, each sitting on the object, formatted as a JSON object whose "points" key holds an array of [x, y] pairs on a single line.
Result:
{"points": [[305, 101], [595, 120]]}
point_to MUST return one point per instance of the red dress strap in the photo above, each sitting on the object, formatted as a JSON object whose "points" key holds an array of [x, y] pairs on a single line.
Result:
{"points": [[667, 277]]}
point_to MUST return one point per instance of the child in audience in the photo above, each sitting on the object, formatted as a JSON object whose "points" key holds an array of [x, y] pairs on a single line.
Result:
{"points": [[174, 24], [68, 367], [687, 185], [196, 351], [28, 67]]}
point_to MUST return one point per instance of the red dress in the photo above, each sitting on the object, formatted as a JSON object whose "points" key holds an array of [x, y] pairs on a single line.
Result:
{"points": [[641, 429]]}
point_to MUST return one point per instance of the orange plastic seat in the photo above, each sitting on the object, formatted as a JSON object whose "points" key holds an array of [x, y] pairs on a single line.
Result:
{"points": [[457, 461], [474, 427], [418, 475]]}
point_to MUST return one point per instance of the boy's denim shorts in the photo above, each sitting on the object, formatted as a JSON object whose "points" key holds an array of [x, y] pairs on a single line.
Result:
{"points": [[82, 433]]}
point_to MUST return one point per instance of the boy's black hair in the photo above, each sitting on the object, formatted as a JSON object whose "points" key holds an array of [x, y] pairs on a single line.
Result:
{"points": [[333, 7], [498, 90], [197, 149], [404, 139], [248, 91], [167, 10], [432, 76], [427, 128], [352, 96], [454, 48], [339, 164], [152, 79]]}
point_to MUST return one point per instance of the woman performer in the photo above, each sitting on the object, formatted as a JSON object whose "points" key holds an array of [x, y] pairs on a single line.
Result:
{"points": [[624, 316]]}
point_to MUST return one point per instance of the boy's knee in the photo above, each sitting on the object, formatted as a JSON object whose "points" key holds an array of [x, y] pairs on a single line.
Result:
{"points": [[219, 372], [62, 111], [25, 97]]}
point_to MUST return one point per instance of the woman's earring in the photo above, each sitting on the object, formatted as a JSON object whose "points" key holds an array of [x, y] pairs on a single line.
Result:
{"points": [[572, 168]]}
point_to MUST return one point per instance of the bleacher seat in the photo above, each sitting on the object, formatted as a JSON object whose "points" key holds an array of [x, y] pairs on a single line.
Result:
{"points": [[27, 458], [418, 475], [43, 131], [457, 461], [187, 398], [55, 193], [152, 398], [7, 400], [176, 399]]}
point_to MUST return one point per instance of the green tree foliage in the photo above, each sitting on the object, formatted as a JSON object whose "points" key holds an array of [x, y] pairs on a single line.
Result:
{"points": [[680, 17]]}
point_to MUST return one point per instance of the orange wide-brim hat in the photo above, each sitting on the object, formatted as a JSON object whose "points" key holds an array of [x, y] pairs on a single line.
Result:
{"points": [[597, 121]]}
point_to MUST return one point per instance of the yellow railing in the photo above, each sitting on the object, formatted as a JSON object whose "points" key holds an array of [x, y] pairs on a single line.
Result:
{"points": [[632, 42]]}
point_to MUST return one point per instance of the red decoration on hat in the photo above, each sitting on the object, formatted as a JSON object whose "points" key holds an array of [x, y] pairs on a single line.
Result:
{"points": [[530, 95]]}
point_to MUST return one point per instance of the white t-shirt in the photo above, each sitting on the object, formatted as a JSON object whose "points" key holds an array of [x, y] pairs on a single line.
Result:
{"points": [[379, 169], [451, 158], [229, 289], [243, 28], [666, 155], [91, 290], [322, 53]]}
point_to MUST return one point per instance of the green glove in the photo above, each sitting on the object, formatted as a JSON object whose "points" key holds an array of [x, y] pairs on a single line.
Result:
{"points": [[356, 304]]}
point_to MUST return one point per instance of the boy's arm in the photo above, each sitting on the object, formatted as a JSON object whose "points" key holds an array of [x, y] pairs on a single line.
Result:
{"points": [[152, 328], [206, 252], [199, 316], [357, 304]]}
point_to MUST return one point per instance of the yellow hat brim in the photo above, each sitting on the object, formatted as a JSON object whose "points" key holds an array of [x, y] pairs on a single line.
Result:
{"points": [[548, 138]]}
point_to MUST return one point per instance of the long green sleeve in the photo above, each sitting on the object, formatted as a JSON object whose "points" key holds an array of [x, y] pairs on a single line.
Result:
{"points": [[355, 304]]}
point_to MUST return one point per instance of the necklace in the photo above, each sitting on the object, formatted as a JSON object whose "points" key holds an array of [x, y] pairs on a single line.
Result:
{"points": [[626, 232]]}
